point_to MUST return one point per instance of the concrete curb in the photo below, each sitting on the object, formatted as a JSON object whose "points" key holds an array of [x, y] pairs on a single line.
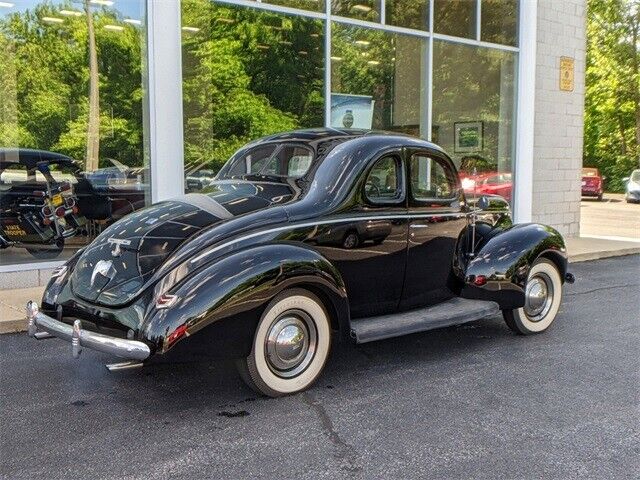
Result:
{"points": [[584, 257], [13, 326]]}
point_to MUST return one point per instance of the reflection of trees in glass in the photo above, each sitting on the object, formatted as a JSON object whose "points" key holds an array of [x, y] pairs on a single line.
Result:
{"points": [[499, 21], [47, 73], [408, 13], [364, 63], [455, 17], [361, 9], [475, 84], [247, 73]]}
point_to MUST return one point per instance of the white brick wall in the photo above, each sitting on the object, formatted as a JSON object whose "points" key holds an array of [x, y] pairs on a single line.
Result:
{"points": [[557, 155]]}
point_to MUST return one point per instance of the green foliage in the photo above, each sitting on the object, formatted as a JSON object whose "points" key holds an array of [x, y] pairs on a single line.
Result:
{"points": [[246, 73], [612, 103], [45, 79]]}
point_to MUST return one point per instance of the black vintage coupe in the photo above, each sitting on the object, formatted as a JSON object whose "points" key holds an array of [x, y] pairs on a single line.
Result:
{"points": [[304, 238]]}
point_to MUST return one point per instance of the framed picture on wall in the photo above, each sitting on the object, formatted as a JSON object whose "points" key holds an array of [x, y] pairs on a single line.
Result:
{"points": [[468, 137]]}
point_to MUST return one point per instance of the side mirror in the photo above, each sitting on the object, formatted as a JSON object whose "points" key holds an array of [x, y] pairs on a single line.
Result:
{"points": [[483, 203], [625, 180]]}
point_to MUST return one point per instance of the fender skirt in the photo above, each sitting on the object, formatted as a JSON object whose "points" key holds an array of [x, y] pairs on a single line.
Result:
{"points": [[499, 270]]}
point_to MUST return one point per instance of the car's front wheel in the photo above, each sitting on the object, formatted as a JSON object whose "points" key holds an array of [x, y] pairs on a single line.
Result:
{"points": [[543, 294], [290, 346]]}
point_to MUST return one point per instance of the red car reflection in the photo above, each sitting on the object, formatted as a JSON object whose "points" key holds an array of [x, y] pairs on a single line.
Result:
{"points": [[490, 183], [592, 183]]}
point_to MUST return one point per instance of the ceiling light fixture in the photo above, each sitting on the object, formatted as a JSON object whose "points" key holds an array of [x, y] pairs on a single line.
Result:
{"points": [[362, 8], [363, 42], [106, 3], [71, 13], [336, 59], [373, 62], [133, 21], [114, 28], [191, 29], [52, 19]]}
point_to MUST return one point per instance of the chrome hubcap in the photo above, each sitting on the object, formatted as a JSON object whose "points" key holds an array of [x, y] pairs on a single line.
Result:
{"points": [[290, 343], [539, 297]]}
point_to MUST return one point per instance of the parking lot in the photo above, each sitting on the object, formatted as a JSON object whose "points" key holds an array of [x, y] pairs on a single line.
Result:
{"points": [[612, 217], [474, 401]]}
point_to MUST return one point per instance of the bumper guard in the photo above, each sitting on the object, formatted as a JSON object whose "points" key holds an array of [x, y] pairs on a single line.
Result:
{"points": [[124, 348]]}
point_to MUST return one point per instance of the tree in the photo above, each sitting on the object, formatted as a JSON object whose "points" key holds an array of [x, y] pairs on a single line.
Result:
{"points": [[612, 102]]}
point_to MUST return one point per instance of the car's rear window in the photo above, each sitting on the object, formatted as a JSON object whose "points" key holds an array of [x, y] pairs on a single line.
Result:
{"points": [[280, 160], [589, 172]]}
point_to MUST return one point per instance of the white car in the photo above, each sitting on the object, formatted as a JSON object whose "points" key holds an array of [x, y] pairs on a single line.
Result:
{"points": [[632, 190]]}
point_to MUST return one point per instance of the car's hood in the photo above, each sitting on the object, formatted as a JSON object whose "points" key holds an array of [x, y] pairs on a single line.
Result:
{"points": [[115, 267]]}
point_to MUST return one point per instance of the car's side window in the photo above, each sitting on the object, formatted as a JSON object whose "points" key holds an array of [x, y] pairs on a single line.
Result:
{"points": [[431, 178], [384, 181]]}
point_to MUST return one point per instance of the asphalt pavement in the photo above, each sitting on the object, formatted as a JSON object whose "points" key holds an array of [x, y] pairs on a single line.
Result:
{"points": [[474, 401]]}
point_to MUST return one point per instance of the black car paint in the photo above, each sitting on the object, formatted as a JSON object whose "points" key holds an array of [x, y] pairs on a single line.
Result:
{"points": [[226, 274]]}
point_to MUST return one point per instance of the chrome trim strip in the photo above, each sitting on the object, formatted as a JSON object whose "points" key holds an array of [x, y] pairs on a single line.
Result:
{"points": [[323, 222], [120, 347]]}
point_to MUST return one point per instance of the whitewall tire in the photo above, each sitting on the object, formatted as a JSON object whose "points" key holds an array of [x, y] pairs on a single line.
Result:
{"points": [[543, 295], [290, 346]]}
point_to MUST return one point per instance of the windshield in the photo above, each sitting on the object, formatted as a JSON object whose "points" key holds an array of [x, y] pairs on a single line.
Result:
{"points": [[280, 160], [635, 176]]}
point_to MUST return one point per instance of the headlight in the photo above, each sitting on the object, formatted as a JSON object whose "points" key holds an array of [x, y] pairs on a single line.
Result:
{"points": [[468, 184]]}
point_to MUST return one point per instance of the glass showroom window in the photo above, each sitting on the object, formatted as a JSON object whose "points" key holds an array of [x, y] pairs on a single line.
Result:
{"points": [[378, 80], [313, 5], [500, 22], [71, 123], [360, 9], [246, 73], [408, 13], [455, 17], [473, 114]]}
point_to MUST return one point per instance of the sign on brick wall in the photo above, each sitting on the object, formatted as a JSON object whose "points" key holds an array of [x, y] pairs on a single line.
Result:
{"points": [[566, 74]]}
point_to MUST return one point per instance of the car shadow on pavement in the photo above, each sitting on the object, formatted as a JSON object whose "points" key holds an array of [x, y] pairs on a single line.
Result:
{"points": [[190, 382]]}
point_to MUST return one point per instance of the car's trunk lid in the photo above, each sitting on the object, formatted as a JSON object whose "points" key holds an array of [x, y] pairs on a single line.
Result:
{"points": [[115, 267]]}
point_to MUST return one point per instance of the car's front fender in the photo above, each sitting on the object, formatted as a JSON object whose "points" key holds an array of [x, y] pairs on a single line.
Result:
{"points": [[499, 270], [223, 301]]}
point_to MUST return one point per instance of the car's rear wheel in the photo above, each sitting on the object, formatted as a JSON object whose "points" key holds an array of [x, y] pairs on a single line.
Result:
{"points": [[543, 295], [290, 346]]}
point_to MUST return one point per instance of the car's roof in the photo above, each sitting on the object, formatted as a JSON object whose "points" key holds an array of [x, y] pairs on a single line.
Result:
{"points": [[328, 134], [30, 157]]}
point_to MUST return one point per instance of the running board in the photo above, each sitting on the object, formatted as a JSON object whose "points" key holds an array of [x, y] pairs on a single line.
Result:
{"points": [[452, 312]]}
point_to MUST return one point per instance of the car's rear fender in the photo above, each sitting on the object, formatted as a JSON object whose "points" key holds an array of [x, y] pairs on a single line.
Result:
{"points": [[499, 270], [221, 303]]}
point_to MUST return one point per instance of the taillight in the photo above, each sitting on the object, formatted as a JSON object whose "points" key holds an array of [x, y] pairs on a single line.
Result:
{"points": [[176, 335], [70, 201], [39, 193], [65, 186], [46, 211], [61, 211]]}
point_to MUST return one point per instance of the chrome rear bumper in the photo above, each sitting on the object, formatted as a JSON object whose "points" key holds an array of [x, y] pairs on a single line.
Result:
{"points": [[121, 347]]}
